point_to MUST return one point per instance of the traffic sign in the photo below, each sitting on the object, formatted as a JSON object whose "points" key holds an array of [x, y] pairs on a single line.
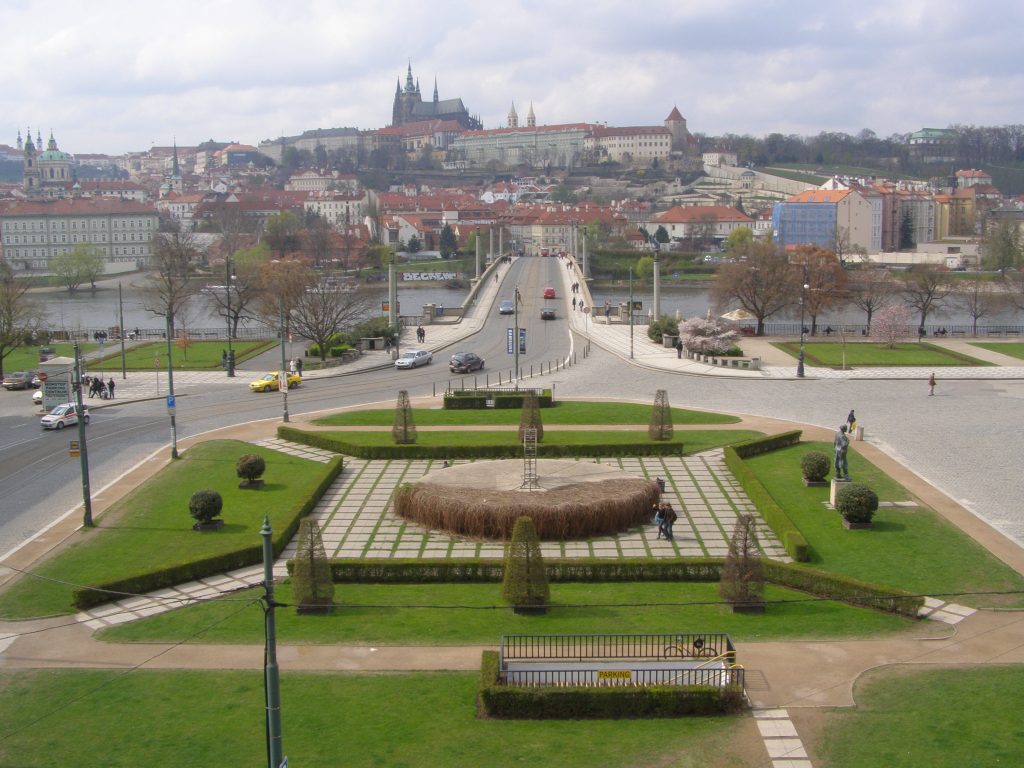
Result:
{"points": [[73, 449], [586, 310], [510, 341], [170, 403], [43, 375]]}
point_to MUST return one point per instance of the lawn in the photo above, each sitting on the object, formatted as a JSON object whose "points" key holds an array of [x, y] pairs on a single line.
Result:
{"points": [[1011, 348], [911, 548], [907, 718], [27, 358], [161, 719], [196, 356], [151, 527], [692, 441], [829, 354], [473, 614], [564, 412]]}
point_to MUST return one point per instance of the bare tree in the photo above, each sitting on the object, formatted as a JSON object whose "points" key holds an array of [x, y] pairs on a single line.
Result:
{"points": [[925, 288], [169, 287], [844, 249], [19, 315], [321, 313], [764, 284], [316, 238], [826, 281], [979, 297], [246, 286], [871, 289]]}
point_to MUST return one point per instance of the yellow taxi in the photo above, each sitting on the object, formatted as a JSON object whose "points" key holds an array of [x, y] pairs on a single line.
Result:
{"points": [[268, 382]]}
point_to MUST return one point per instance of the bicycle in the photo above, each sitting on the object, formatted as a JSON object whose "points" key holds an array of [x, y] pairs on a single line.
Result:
{"points": [[696, 649]]}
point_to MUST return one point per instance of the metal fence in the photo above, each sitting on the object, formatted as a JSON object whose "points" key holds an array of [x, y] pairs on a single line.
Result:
{"points": [[693, 645], [717, 677]]}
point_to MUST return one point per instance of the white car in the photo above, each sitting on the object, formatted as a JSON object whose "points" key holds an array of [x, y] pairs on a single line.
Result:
{"points": [[64, 415], [414, 358], [37, 397]]}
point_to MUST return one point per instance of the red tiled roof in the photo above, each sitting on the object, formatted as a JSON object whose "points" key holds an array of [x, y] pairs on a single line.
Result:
{"points": [[690, 213], [674, 116], [819, 196], [646, 130], [91, 206]]}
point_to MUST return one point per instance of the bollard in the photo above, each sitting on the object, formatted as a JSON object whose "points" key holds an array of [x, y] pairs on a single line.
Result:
{"points": [[531, 370]]}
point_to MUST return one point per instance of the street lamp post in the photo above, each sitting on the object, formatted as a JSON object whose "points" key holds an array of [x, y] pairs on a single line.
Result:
{"points": [[515, 337], [630, 313], [83, 452], [231, 352], [170, 386], [800, 358], [283, 374]]}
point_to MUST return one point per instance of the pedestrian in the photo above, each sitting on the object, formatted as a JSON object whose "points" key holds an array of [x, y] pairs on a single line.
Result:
{"points": [[851, 421], [223, 358], [670, 520], [292, 366], [574, 302], [679, 349], [110, 387], [931, 384], [93, 389], [298, 366], [659, 519]]}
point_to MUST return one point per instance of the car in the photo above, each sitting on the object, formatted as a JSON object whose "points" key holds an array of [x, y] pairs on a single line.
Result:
{"points": [[547, 314], [18, 380], [64, 415], [549, 293], [465, 362], [507, 307], [268, 382], [414, 358]]}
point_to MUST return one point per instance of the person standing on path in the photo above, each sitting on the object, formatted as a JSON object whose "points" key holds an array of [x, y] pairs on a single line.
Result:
{"points": [[110, 387], [851, 422], [931, 384], [679, 349]]}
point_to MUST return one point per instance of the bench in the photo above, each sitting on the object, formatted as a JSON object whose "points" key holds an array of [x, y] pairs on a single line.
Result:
{"points": [[746, 363], [994, 332], [957, 333], [1012, 332]]}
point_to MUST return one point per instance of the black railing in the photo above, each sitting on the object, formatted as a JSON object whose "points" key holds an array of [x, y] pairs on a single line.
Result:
{"points": [[932, 330], [696, 645]]}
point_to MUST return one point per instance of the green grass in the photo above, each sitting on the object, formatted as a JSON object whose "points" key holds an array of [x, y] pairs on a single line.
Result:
{"points": [[829, 354], [27, 358], [199, 356], [161, 719], [692, 441], [566, 412], [1012, 348], [430, 616], [151, 526], [905, 718], [914, 549]]}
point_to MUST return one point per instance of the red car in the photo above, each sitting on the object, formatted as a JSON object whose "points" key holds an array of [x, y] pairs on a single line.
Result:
{"points": [[549, 293]]}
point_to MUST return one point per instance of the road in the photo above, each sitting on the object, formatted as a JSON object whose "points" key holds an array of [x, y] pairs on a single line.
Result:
{"points": [[964, 441]]}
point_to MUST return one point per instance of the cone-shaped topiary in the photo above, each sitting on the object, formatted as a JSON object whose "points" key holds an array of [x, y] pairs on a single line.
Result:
{"points": [[530, 417], [856, 503], [814, 466], [525, 582], [312, 583], [742, 580], [403, 431], [250, 467], [661, 418]]}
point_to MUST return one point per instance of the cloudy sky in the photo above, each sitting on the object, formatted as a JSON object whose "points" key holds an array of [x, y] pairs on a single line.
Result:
{"points": [[114, 76]]}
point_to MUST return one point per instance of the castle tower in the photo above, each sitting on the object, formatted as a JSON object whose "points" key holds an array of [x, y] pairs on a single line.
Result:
{"points": [[513, 118], [531, 119], [20, 143], [676, 125]]}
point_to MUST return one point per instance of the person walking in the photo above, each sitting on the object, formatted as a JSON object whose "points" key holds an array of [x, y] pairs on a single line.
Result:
{"points": [[574, 302], [298, 365], [851, 422], [659, 519], [110, 387], [931, 385], [679, 349], [670, 520]]}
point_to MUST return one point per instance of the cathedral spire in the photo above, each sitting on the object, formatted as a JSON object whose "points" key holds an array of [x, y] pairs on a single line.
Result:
{"points": [[531, 119], [20, 144], [435, 88], [174, 159], [408, 78]]}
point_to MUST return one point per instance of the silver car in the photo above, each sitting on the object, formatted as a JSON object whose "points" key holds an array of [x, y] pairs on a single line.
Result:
{"points": [[64, 415], [414, 358]]}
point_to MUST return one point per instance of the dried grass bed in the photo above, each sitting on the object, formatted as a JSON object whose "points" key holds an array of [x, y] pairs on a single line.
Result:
{"points": [[572, 511]]}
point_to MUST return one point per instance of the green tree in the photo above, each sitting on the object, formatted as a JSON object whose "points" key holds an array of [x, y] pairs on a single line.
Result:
{"points": [[524, 584], [282, 233], [907, 230], [661, 234], [738, 240], [660, 427], [403, 428], [742, 580], [563, 193], [19, 315], [312, 584], [1002, 247], [644, 268], [83, 263], [449, 243], [414, 245]]}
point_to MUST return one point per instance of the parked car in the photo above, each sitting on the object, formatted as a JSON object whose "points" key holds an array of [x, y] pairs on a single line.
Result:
{"points": [[268, 382], [549, 293], [507, 307], [64, 415], [465, 362], [414, 358], [18, 380], [547, 314]]}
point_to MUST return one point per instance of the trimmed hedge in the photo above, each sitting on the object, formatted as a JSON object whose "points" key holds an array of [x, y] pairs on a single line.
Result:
{"points": [[776, 518], [476, 399], [749, 448], [597, 570], [102, 592], [578, 703], [336, 441]]}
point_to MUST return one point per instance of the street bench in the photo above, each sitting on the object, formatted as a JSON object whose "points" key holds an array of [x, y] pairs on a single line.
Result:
{"points": [[747, 363], [957, 333], [1012, 332]]}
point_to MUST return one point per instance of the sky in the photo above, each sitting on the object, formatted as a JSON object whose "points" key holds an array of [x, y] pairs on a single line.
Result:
{"points": [[111, 76]]}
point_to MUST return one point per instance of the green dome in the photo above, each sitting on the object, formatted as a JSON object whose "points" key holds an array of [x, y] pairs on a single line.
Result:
{"points": [[55, 155]]}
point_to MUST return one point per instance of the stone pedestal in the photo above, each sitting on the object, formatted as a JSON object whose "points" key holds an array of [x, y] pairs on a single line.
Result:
{"points": [[834, 489]]}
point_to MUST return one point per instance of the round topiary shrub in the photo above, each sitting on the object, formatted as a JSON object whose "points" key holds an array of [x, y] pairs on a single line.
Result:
{"points": [[856, 503], [814, 466], [204, 506], [250, 467]]}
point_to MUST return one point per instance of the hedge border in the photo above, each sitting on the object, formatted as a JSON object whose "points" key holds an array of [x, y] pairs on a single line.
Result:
{"points": [[476, 399], [113, 589], [697, 569], [775, 516], [578, 702], [335, 441]]}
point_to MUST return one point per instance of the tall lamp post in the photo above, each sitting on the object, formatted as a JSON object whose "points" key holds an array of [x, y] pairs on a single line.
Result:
{"points": [[231, 352], [800, 358], [630, 313], [83, 453]]}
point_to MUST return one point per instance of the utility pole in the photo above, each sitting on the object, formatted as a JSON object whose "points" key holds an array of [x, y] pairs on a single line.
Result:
{"points": [[515, 337], [282, 376], [231, 352], [170, 388], [120, 322], [271, 679], [83, 455], [630, 313]]}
